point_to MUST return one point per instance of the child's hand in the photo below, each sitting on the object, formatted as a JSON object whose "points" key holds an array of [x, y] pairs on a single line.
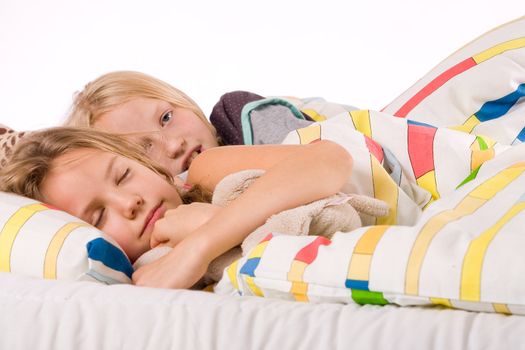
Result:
{"points": [[178, 223], [181, 268]]}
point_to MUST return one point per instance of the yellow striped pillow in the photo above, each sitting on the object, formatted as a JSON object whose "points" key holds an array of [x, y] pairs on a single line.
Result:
{"points": [[38, 240]]}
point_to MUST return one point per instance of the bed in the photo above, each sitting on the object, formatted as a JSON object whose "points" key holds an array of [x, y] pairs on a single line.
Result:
{"points": [[264, 303], [83, 315]]}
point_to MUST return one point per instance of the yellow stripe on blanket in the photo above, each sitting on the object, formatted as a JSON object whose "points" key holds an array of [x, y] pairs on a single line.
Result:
{"points": [[482, 149], [502, 309], [11, 230], [359, 267], [441, 301], [468, 125], [299, 289], [498, 49], [472, 201], [314, 115], [470, 289], [427, 233], [309, 134], [386, 190], [428, 182], [361, 121]]}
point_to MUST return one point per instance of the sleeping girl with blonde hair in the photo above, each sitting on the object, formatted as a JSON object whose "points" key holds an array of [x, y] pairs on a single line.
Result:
{"points": [[108, 182]]}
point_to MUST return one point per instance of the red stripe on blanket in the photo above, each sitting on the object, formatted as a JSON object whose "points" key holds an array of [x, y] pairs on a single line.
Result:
{"points": [[374, 148], [421, 148], [309, 253], [435, 84]]}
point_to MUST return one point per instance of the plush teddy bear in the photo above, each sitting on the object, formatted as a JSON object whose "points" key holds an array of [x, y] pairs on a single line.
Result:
{"points": [[324, 217]]}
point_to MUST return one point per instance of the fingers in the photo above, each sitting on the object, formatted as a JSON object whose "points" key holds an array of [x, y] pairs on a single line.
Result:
{"points": [[159, 235], [180, 222], [167, 231]]}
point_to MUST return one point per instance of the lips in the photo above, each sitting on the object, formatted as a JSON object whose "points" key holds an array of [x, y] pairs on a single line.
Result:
{"points": [[192, 154], [154, 215]]}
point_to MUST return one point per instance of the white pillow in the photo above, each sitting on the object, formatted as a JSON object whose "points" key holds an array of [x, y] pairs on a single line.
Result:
{"points": [[39, 241]]}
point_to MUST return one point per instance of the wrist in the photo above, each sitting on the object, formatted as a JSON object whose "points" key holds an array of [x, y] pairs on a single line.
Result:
{"points": [[200, 246]]}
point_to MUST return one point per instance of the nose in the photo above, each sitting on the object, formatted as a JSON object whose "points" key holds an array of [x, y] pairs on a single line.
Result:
{"points": [[175, 147], [131, 206]]}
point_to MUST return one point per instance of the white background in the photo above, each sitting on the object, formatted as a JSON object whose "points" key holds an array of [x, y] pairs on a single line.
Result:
{"points": [[362, 53]]}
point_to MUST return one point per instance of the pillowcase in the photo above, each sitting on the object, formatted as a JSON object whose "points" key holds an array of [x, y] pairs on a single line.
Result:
{"points": [[8, 138], [38, 240]]}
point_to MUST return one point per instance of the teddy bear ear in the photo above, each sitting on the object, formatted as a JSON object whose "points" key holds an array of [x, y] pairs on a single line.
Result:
{"points": [[369, 205]]}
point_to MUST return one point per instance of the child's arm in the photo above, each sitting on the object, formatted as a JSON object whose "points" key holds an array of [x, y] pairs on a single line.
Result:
{"points": [[295, 175]]}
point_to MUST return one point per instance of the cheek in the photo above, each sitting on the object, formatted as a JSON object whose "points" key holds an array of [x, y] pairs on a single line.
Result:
{"points": [[116, 231], [203, 133], [190, 124]]}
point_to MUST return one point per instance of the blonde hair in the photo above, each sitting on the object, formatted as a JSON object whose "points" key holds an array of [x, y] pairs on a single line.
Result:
{"points": [[115, 88], [33, 158]]}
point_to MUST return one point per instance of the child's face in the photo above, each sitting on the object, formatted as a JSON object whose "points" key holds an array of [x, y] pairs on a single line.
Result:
{"points": [[171, 136], [114, 193]]}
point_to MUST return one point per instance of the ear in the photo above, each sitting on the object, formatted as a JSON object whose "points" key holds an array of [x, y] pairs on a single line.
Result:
{"points": [[369, 205]]}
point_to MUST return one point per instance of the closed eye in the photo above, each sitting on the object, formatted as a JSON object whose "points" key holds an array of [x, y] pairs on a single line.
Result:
{"points": [[123, 176], [100, 218]]}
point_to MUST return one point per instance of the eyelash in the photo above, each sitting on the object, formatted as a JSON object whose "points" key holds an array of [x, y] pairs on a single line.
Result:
{"points": [[123, 177], [119, 180], [162, 122], [99, 219]]}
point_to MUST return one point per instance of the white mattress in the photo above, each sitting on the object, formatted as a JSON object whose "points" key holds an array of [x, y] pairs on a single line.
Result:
{"points": [[84, 315]]}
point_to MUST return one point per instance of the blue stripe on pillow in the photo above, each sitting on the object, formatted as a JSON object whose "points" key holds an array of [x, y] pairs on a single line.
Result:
{"points": [[102, 278], [101, 250], [249, 267]]}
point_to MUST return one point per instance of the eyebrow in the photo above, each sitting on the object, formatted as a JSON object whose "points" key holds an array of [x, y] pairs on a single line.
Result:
{"points": [[109, 169]]}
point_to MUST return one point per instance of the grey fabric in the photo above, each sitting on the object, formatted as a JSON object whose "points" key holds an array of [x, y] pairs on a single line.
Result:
{"points": [[271, 124]]}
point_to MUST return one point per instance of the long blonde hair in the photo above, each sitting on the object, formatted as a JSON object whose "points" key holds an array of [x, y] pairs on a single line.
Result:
{"points": [[115, 88], [33, 158]]}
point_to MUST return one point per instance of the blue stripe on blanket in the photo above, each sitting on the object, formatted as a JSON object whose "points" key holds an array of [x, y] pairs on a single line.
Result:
{"points": [[356, 284], [413, 122], [101, 250], [521, 135], [497, 108]]}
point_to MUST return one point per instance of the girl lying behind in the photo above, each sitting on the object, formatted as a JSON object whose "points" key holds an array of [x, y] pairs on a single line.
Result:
{"points": [[108, 182], [167, 123]]}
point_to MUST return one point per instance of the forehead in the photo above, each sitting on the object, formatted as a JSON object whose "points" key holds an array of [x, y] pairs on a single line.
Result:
{"points": [[75, 178], [136, 115]]}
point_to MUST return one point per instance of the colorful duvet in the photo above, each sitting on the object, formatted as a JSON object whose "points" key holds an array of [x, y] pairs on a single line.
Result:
{"points": [[448, 157]]}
